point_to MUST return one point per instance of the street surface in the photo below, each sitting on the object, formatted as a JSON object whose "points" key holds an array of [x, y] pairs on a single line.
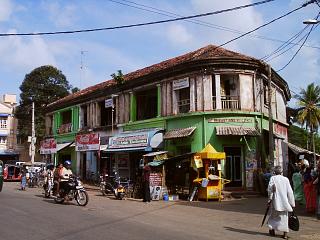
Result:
{"points": [[26, 215]]}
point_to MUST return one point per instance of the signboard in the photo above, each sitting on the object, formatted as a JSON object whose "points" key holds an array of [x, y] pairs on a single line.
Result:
{"points": [[155, 192], [108, 103], [87, 142], [197, 161], [234, 120], [48, 146], [155, 179], [129, 141], [181, 83]]}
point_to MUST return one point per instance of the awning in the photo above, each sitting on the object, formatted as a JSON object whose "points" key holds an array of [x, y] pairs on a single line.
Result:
{"points": [[61, 146], [157, 156], [179, 133], [144, 140], [299, 150], [3, 134], [236, 130]]}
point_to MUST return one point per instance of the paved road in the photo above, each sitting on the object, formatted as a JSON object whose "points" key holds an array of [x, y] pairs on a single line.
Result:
{"points": [[26, 215]]}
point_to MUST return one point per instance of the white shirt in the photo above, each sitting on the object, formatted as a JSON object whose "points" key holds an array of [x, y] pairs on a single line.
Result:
{"points": [[281, 194]]}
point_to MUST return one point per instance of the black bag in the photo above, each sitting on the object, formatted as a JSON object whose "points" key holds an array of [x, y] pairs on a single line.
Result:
{"points": [[293, 221]]}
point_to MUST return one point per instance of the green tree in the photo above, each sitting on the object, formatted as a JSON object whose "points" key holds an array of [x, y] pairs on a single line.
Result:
{"points": [[308, 111], [42, 86]]}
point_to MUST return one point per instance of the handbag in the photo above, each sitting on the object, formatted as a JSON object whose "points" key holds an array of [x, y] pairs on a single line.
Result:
{"points": [[293, 221]]}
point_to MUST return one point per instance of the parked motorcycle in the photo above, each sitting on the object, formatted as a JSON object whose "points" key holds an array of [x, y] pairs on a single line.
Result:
{"points": [[111, 185], [76, 191]]}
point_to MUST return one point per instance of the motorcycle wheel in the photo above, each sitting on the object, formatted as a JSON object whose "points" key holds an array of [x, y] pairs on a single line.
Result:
{"points": [[59, 200], [82, 198]]}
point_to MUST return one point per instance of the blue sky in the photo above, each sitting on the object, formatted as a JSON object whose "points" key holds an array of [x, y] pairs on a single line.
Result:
{"points": [[130, 49]]}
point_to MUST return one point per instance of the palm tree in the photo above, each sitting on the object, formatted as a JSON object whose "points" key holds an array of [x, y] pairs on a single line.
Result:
{"points": [[309, 110]]}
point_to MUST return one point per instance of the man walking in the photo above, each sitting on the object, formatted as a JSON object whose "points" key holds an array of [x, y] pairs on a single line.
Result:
{"points": [[281, 199]]}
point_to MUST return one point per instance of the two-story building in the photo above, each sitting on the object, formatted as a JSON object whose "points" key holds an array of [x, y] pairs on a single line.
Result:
{"points": [[211, 95], [9, 151]]}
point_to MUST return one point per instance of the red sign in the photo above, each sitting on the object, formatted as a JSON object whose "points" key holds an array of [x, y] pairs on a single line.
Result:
{"points": [[48, 146], [155, 179], [87, 142]]}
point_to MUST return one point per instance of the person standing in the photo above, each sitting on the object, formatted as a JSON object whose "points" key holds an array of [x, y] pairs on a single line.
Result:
{"points": [[309, 191], [146, 183], [281, 200], [317, 184], [297, 181]]}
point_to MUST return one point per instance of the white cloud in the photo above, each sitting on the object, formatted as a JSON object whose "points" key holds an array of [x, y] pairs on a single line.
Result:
{"points": [[6, 8], [178, 34], [61, 15], [23, 54]]}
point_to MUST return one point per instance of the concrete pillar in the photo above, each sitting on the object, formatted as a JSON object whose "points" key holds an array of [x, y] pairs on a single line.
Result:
{"points": [[218, 92]]}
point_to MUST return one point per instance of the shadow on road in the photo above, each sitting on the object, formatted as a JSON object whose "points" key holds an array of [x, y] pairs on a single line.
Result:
{"points": [[246, 205], [245, 231]]}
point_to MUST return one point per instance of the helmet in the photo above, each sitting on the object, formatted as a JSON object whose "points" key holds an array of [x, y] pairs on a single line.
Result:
{"points": [[67, 163]]}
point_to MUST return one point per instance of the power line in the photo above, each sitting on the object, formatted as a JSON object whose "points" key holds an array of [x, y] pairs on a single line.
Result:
{"points": [[137, 24], [199, 22], [280, 54], [284, 45], [298, 48], [268, 23]]}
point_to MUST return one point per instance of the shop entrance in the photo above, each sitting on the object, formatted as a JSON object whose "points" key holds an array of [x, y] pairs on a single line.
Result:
{"points": [[233, 166]]}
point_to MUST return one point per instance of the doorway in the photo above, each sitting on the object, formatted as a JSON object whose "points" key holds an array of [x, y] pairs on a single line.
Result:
{"points": [[233, 166]]}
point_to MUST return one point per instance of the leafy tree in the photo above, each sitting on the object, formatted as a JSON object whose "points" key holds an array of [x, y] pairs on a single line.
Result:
{"points": [[119, 78], [309, 112], [42, 86]]}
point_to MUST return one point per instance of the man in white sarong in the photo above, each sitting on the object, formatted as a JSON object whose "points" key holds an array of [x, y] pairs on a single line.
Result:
{"points": [[282, 201]]}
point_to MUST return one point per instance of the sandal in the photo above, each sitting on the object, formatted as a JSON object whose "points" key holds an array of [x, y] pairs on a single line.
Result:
{"points": [[285, 236]]}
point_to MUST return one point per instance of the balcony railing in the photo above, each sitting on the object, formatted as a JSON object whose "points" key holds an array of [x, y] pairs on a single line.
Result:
{"points": [[65, 128], [227, 102]]}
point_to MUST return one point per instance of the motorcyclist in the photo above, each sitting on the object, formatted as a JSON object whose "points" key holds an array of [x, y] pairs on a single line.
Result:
{"points": [[65, 175]]}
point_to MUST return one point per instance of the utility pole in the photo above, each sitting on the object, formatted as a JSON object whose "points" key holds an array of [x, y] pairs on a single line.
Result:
{"points": [[271, 142], [33, 139]]}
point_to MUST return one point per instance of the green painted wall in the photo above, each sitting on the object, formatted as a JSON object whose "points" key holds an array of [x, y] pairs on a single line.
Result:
{"points": [[145, 124]]}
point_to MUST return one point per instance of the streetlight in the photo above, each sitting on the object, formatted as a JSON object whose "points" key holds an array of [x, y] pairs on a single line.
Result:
{"points": [[311, 21]]}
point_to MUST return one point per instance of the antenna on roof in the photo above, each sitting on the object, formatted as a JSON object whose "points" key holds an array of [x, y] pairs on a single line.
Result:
{"points": [[82, 67]]}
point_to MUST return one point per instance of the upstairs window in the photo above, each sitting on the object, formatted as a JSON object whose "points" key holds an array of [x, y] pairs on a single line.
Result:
{"points": [[66, 117], [106, 114], [181, 89], [84, 116], [3, 122], [147, 104]]}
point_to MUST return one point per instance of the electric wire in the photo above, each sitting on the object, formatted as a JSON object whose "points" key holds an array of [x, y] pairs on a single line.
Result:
{"points": [[268, 23], [284, 45], [137, 24], [306, 38], [292, 46], [199, 22]]}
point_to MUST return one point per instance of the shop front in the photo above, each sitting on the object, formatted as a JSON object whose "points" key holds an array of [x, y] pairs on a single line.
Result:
{"points": [[125, 151], [87, 147]]}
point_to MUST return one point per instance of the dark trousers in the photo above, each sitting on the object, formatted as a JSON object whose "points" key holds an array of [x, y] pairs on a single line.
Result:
{"points": [[146, 191]]}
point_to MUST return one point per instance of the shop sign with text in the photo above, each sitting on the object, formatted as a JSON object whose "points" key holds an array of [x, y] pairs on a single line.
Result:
{"points": [[87, 142], [129, 141], [48, 146]]}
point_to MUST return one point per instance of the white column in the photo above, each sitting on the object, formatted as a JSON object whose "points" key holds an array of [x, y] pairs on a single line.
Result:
{"points": [[218, 91]]}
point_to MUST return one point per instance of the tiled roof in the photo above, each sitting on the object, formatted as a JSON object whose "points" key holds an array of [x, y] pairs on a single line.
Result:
{"points": [[299, 150], [208, 52], [179, 133], [236, 130]]}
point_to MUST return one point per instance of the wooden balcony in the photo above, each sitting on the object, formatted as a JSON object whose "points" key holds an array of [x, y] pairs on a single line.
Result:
{"points": [[227, 102]]}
